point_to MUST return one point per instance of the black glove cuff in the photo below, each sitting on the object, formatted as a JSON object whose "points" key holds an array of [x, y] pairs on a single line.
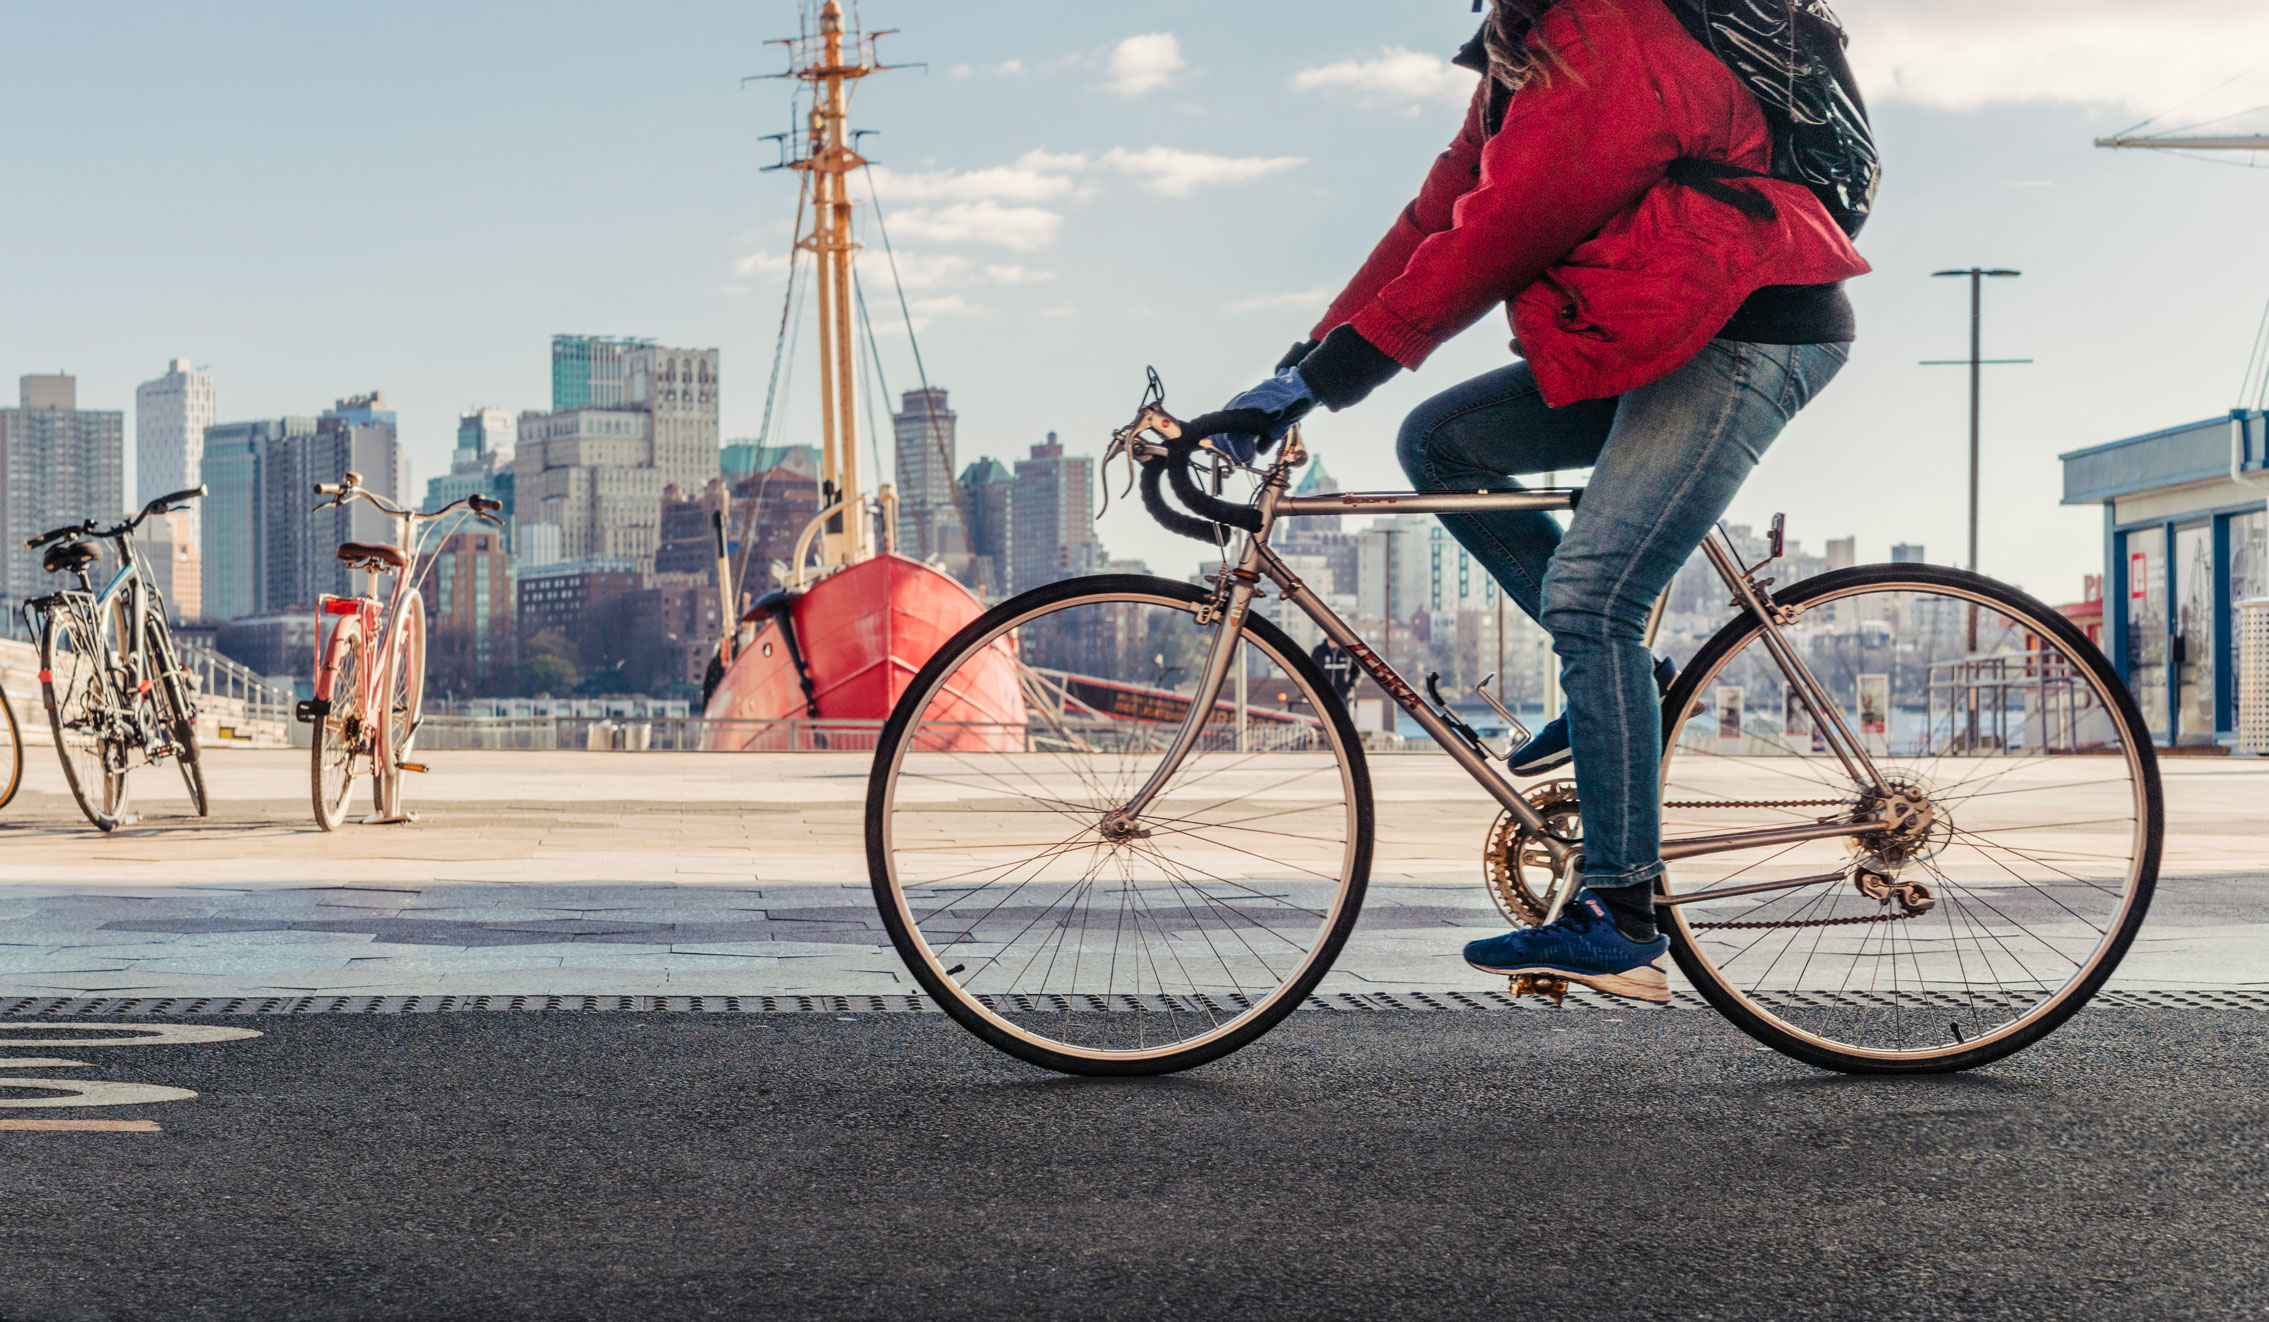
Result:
{"points": [[1297, 354], [1345, 368]]}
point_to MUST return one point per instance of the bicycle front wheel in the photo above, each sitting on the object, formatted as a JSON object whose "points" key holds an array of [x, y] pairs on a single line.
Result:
{"points": [[177, 713], [1088, 949], [76, 652], [2026, 796], [405, 703]]}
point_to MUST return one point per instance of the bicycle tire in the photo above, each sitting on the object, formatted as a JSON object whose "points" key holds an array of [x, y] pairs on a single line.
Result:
{"points": [[336, 733], [965, 1008], [405, 702], [11, 758], [112, 789], [179, 714], [2121, 708]]}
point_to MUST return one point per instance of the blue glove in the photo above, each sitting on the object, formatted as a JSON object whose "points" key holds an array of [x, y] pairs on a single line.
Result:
{"points": [[1285, 397]]}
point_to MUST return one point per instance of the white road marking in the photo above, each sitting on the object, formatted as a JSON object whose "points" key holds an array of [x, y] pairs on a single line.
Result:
{"points": [[87, 1092], [90, 1092], [145, 1035]]}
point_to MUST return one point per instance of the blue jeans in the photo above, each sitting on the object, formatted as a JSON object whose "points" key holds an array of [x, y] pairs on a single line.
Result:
{"points": [[1666, 460]]}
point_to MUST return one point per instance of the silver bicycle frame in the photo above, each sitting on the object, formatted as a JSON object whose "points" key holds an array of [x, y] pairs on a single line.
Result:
{"points": [[1256, 562]]}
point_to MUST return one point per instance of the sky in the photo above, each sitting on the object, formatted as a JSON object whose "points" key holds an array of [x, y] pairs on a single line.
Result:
{"points": [[314, 201]]}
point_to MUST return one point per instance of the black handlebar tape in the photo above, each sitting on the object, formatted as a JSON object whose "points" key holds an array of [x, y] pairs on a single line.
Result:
{"points": [[1173, 520], [1229, 513]]}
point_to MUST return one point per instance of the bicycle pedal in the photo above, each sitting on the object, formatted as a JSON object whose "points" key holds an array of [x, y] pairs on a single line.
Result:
{"points": [[413, 766], [1532, 984]]}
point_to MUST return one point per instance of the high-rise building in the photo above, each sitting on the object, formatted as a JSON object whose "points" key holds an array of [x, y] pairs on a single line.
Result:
{"points": [[481, 465], [59, 464], [469, 608], [484, 430], [929, 523], [629, 417], [771, 509], [1051, 517], [1843, 552], [232, 541], [299, 561], [589, 472], [171, 414], [591, 370], [1907, 553], [987, 488], [678, 389]]}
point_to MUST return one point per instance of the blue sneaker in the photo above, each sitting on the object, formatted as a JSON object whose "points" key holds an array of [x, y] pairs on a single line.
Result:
{"points": [[1549, 750], [1581, 945]]}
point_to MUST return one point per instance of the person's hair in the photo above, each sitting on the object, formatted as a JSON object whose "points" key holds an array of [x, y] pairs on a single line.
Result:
{"points": [[1512, 59]]}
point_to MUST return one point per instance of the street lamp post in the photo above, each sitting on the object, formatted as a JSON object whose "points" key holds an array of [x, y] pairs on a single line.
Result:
{"points": [[1976, 362]]}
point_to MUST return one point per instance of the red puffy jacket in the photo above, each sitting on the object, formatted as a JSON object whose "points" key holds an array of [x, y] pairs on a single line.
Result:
{"points": [[1614, 275]]}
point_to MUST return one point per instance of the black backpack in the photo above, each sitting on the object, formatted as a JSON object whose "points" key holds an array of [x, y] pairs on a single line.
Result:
{"points": [[1790, 53]]}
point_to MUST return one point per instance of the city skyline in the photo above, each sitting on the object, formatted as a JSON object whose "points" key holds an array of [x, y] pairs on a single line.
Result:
{"points": [[1036, 261]]}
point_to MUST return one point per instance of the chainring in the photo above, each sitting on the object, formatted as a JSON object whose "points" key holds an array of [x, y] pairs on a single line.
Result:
{"points": [[1516, 866]]}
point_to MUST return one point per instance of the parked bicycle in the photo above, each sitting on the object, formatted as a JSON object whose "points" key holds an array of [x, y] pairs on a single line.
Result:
{"points": [[1913, 816], [117, 694], [11, 750], [370, 671]]}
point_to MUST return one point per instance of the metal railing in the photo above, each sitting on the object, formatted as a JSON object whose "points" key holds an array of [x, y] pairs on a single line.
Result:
{"points": [[692, 734]]}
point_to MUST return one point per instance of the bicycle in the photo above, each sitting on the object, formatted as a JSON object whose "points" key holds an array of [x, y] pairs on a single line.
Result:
{"points": [[1923, 842], [12, 755], [370, 673], [116, 692]]}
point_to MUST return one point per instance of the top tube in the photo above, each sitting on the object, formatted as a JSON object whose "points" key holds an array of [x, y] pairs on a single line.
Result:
{"points": [[1429, 502]]}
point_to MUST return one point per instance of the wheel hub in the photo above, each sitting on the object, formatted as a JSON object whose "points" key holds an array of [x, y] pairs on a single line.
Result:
{"points": [[1918, 828]]}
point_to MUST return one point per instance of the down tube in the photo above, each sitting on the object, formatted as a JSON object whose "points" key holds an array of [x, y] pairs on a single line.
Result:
{"points": [[1301, 595]]}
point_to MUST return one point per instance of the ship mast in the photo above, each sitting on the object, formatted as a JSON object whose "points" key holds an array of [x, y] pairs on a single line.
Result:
{"points": [[827, 160]]}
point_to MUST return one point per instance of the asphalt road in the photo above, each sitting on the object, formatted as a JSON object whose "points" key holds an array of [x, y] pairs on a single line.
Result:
{"points": [[1585, 1164]]}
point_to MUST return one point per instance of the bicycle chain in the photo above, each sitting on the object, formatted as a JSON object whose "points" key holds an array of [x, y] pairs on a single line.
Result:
{"points": [[1804, 922], [1760, 803]]}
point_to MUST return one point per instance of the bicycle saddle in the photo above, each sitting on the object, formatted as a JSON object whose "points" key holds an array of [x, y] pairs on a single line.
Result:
{"points": [[69, 557], [361, 553]]}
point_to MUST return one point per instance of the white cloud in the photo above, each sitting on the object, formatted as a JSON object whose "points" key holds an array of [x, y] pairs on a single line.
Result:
{"points": [[1397, 78], [985, 221], [761, 262], [1021, 182], [973, 70], [1144, 64], [1178, 173], [1961, 55], [1305, 299], [1017, 275]]}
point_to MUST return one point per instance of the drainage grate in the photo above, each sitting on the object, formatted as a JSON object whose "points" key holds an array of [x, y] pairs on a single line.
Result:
{"points": [[1405, 1002]]}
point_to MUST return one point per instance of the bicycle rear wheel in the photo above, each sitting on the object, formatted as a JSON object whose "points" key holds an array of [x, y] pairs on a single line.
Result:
{"points": [[177, 712], [2028, 793], [1066, 943], [76, 652], [11, 751]]}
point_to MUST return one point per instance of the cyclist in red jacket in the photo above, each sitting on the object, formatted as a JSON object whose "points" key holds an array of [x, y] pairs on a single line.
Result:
{"points": [[1674, 305]]}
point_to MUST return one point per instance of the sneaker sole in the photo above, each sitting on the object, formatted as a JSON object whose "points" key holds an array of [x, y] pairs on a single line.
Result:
{"points": [[1525, 769], [1644, 983]]}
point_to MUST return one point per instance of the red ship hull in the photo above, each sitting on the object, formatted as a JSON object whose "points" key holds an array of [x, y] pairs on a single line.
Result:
{"points": [[857, 637]]}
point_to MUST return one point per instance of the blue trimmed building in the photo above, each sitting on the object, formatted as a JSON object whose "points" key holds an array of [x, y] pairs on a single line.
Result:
{"points": [[2186, 537]]}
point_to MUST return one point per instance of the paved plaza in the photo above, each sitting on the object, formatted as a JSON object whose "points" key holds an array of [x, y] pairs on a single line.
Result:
{"points": [[691, 874]]}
